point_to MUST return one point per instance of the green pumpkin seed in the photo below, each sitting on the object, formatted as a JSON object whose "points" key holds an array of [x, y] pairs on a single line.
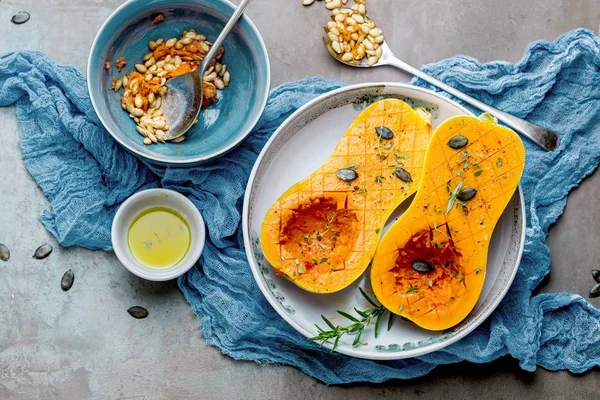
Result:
{"points": [[422, 267], [403, 174], [458, 142], [67, 280], [384, 132], [4, 253], [595, 291], [596, 275], [466, 194], [43, 251], [138, 312], [347, 174]]}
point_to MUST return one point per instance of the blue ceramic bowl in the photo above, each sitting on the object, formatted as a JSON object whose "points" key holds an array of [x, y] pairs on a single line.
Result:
{"points": [[221, 126]]}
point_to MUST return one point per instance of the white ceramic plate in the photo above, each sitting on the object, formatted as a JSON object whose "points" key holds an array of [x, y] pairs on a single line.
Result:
{"points": [[302, 144]]}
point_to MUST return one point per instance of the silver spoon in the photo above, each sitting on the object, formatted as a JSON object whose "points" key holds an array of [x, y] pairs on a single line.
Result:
{"points": [[183, 101], [539, 135]]}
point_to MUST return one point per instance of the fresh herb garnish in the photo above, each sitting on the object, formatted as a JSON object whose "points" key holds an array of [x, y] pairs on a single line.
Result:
{"points": [[412, 289], [477, 173], [462, 278], [379, 179], [352, 166], [323, 260], [318, 236], [357, 326], [499, 162], [362, 190], [377, 230], [453, 195]]}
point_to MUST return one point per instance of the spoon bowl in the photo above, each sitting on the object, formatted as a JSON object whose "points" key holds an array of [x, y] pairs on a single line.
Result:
{"points": [[184, 98]]}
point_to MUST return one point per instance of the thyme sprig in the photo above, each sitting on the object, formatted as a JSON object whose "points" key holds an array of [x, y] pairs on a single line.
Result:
{"points": [[358, 325]]}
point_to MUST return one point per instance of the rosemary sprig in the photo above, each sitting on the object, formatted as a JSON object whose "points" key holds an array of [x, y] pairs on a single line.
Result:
{"points": [[358, 325]]}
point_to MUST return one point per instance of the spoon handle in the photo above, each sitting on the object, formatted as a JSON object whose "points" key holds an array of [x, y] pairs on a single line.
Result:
{"points": [[237, 14], [543, 137]]}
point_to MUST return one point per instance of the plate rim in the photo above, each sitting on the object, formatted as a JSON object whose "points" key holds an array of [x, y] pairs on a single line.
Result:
{"points": [[255, 269]]}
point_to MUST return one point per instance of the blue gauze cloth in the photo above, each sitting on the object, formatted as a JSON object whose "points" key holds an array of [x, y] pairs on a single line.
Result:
{"points": [[85, 176]]}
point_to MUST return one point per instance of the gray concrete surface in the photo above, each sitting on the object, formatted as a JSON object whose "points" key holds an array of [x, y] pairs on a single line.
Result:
{"points": [[82, 344]]}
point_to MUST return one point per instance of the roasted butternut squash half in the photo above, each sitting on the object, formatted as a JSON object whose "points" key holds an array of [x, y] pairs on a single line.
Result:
{"points": [[431, 264], [323, 231]]}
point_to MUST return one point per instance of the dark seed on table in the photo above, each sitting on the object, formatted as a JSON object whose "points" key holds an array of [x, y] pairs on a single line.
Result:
{"points": [[595, 291], [384, 132], [20, 18], [347, 174], [67, 280], [466, 194], [422, 267], [138, 312], [596, 275], [4, 253], [458, 142], [403, 174], [43, 251]]}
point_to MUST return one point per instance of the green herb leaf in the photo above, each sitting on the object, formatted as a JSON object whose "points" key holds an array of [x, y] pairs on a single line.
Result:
{"points": [[401, 308], [477, 173], [412, 289], [318, 236], [352, 166], [377, 322], [462, 278], [390, 321], [377, 230], [328, 322], [323, 260], [499, 162], [345, 314], [366, 296]]}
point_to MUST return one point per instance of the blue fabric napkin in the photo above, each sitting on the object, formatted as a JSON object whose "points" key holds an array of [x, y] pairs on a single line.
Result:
{"points": [[85, 176]]}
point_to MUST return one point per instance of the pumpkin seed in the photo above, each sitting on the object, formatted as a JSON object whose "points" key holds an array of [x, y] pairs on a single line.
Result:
{"points": [[422, 267], [138, 312], [466, 194], [384, 132], [403, 174], [347, 174], [595, 291], [67, 280], [20, 18], [595, 273], [458, 142], [4, 252], [43, 251]]}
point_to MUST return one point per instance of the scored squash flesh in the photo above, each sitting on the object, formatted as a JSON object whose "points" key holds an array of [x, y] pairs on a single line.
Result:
{"points": [[430, 265], [323, 231]]}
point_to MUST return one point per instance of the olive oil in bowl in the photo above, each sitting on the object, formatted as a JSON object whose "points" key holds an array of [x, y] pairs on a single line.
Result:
{"points": [[159, 237]]}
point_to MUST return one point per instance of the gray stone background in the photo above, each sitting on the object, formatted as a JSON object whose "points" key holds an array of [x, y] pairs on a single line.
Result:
{"points": [[82, 344]]}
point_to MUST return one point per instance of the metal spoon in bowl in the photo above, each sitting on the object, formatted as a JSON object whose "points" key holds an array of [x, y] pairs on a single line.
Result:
{"points": [[541, 136], [183, 101]]}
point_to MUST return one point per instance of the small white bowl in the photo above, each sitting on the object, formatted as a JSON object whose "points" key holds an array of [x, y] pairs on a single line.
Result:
{"points": [[141, 201]]}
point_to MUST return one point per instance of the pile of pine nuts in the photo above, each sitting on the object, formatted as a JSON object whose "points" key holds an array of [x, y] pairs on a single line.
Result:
{"points": [[145, 87]]}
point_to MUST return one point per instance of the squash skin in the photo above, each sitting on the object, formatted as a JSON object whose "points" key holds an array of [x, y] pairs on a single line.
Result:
{"points": [[455, 243], [322, 232]]}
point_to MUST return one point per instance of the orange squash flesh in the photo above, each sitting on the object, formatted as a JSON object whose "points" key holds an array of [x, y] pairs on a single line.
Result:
{"points": [[454, 243], [322, 232]]}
